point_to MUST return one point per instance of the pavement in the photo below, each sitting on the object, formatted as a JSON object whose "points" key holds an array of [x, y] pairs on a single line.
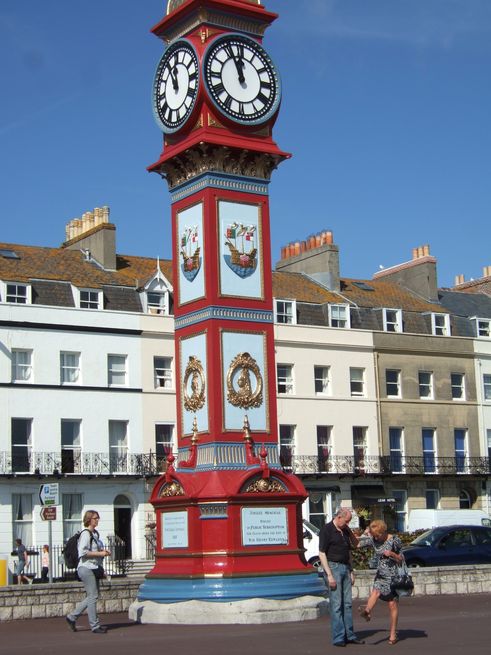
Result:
{"points": [[454, 625]]}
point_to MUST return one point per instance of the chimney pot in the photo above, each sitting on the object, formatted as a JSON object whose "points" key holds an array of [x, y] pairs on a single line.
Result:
{"points": [[415, 253], [303, 246], [297, 247]]}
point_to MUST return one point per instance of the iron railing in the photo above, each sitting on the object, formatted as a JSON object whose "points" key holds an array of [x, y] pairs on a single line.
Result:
{"points": [[150, 543], [150, 464], [77, 462], [116, 565], [374, 465]]}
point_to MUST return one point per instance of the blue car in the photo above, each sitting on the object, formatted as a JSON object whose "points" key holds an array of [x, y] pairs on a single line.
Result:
{"points": [[450, 545]]}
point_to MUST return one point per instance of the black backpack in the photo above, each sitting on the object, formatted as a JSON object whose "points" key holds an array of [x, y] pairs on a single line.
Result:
{"points": [[70, 551]]}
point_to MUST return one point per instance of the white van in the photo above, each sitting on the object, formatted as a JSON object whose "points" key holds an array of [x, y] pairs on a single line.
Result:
{"points": [[311, 544], [424, 519]]}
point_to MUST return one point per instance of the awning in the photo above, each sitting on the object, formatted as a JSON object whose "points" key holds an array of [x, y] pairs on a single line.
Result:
{"points": [[373, 494]]}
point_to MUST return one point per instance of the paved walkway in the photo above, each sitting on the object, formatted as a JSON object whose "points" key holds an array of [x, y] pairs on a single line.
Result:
{"points": [[453, 625]]}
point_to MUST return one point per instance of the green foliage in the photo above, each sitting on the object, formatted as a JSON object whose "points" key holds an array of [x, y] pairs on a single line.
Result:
{"points": [[361, 556]]}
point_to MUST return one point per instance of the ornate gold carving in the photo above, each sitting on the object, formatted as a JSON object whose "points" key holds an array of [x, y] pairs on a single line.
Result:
{"points": [[195, 400], [171, 489], [265, 486], [213, 122], [206, 158], [239, 372]]}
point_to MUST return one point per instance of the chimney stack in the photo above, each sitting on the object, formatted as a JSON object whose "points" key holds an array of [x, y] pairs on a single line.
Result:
{"points": [[459, 279], [93, 233], [316, 256], [486, 271]]}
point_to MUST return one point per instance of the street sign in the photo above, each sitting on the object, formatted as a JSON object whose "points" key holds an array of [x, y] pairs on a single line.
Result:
{"points": [[49, 494], [48, 513]]}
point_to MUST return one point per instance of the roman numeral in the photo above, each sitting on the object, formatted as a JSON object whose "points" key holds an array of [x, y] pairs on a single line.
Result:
{"points": [[262, 98], [218, 88], [265, 85]]}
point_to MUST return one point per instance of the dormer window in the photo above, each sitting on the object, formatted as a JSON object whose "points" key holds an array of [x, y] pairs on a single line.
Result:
{"points": [[483, 327], [156, 295], [90, 299], [392, 320], [17, 293], [285, 312], [339, 316], [440, 325], [157, 302]]}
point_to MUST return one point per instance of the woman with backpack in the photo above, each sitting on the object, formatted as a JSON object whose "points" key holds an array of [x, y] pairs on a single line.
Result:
{"points": [[90, 556]]}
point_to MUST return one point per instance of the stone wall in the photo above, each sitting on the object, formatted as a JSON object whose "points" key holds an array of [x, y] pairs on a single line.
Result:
{"points": [[42, 601]]}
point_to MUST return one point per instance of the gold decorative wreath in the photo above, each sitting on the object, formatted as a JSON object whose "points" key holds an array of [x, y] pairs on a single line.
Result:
{"points": [[194, 370], [262, 486], [245, 396]]}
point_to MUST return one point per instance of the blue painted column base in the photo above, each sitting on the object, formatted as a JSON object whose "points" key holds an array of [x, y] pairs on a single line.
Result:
{"points": [[274, 587]]}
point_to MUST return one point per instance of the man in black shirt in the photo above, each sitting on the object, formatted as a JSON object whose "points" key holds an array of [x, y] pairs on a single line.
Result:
{"points": [[335, 543]]}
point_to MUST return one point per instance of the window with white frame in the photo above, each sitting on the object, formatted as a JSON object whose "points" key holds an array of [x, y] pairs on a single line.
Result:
{"points": [[320, 507], [432, 498], [357, 381], [21, 444], [17, 293], [440, 325], [339, 316], [457, 383], [69, 368], [392, 320], [70, 445], [22, 518], [21, 365], [118, 446], [322, 380], [396, 449], [323, 445], [393, 383], [284, 373], [164, 442], [287, 444], [429, 450], [90, 299], [286, 311], [425, 381], [359, 447], [486, 380], [483, 327], [488, 436], [72, 514], [401, 509], [157, 302], [162, 370], [116, 370], [460, 442]]}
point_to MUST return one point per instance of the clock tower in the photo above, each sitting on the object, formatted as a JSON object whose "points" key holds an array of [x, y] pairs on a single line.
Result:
{"points": [[229, 526]]}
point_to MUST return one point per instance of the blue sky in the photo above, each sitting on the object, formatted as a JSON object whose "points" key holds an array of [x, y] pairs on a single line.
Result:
{"points": [[386, 110]]}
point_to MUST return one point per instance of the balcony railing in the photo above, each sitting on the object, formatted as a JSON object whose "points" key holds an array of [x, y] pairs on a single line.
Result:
{"points": [[75, 462], [374, 465]]}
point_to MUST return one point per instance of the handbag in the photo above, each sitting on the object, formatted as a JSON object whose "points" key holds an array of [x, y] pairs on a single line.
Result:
{"points": [[402, 583], [99, 572]]}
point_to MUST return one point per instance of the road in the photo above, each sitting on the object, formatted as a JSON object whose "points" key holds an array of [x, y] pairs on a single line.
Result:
{"points": [[454, 625]]}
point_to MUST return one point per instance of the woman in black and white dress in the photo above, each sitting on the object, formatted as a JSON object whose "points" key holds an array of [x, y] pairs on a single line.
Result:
{"points": [[387, 548]]}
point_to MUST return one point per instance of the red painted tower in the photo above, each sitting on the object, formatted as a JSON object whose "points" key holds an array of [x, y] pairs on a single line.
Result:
{"points": [[228, 518]]}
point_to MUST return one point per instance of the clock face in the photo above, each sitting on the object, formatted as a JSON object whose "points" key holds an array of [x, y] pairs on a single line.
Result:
{"points": [[241, 79], [176, 86]]}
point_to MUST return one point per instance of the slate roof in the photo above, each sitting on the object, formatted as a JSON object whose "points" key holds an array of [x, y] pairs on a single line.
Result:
{"points": [[52, 271], [466, 304]]}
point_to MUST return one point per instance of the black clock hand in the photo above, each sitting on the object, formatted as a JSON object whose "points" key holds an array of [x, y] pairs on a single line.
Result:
{"points": [[173, 74], [238, 61]]}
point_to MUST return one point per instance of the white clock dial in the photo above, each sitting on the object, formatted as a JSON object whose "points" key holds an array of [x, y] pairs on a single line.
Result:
{"points": [[176, 86], [241, 79]]}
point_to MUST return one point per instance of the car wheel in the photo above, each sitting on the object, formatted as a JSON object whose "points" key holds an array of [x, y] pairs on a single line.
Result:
{"points": [[316, 563], [415, 564]]}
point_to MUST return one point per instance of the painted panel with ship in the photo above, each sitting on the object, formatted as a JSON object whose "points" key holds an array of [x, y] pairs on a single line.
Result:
{"points": [[190, 253], [240, 254], [240, 241], [190, 247]]}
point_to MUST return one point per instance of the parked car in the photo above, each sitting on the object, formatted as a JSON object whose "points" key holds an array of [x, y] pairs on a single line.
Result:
{"points": [[450, 545], [424, 519], [311, 544]]}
